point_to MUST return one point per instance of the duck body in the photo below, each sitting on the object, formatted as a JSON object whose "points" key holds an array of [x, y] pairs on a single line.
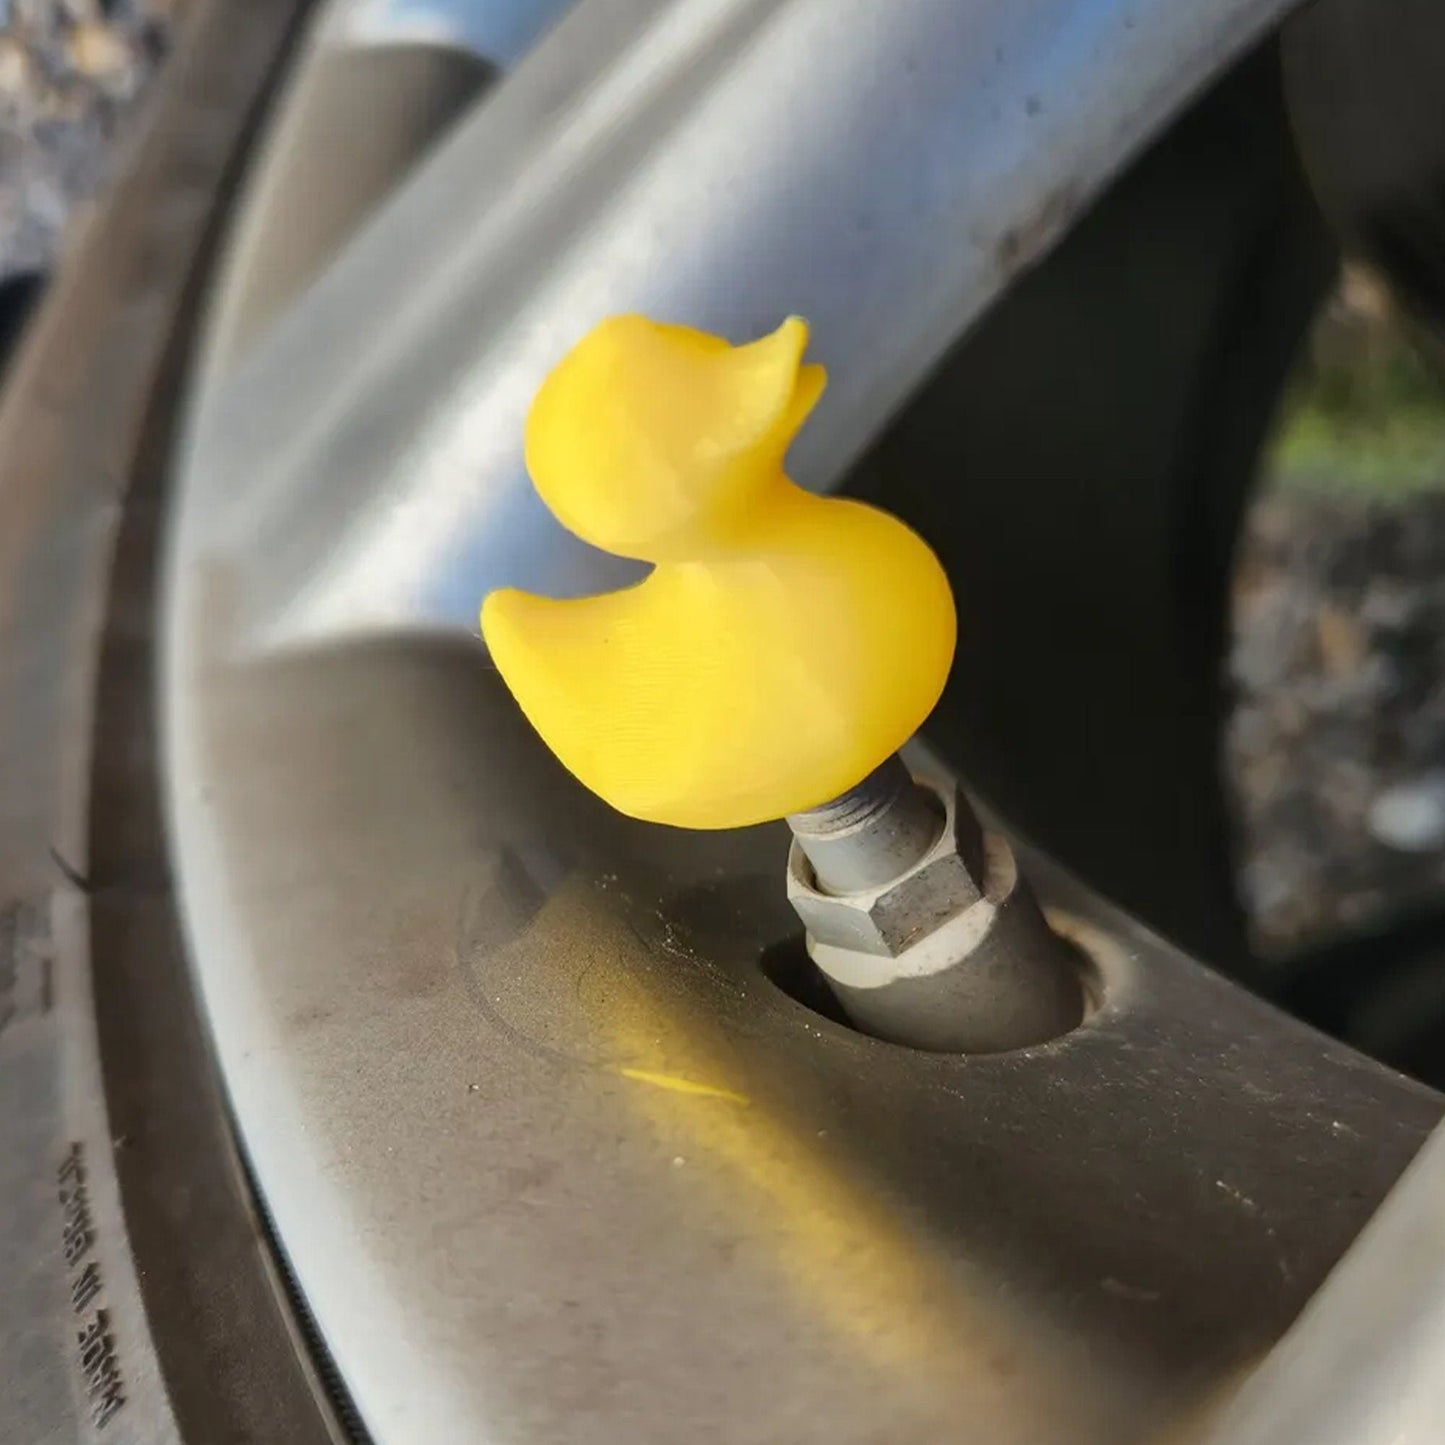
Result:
{"points": [[782, 645]]}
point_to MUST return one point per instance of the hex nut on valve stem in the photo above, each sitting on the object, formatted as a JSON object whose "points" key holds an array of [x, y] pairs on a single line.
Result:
{"points": [[921, 923]]}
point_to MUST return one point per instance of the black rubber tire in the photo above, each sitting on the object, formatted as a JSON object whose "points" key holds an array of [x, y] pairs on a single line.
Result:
{"points": [[86, 426]]}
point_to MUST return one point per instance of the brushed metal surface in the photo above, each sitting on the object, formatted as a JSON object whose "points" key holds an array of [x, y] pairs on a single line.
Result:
{"points": [[1362, 1364], [553, 1157]]}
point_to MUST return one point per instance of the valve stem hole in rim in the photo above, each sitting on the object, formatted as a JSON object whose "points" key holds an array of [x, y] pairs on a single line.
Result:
{"points": [[788, 968]]}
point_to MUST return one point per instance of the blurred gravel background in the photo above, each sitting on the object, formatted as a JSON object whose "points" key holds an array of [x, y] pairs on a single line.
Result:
{"points": [[71, 74], [1337, 746], [1337, 750]]}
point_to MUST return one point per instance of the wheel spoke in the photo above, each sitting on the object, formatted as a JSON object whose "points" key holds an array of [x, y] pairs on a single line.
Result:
{"points": [[885, 171], [501, 32]]}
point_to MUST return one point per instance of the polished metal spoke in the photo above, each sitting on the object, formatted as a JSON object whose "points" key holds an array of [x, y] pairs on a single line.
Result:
{"points": [[500, 31], [884, 170]]}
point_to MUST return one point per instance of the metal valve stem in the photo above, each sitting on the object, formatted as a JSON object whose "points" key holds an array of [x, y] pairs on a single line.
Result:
{"points": [[921, 922]]}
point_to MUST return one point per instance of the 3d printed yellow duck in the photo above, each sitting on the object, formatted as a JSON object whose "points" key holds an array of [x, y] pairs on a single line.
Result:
{"points": [[783, 645]]}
